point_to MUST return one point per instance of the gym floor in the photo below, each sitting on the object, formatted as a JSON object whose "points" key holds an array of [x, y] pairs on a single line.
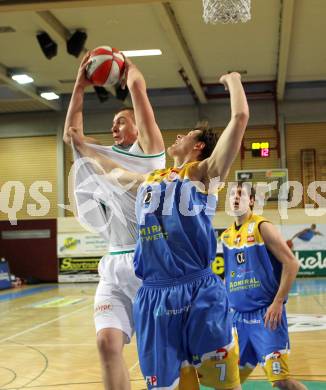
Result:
{"points": [[48, 341]]}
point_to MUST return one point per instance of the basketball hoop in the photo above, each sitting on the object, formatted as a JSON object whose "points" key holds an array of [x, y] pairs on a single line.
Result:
{"points": [[226, 11]]}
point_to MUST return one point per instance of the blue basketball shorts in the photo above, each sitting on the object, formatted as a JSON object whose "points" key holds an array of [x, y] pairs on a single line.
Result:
{"points": [[183, 324], [261, 345]]}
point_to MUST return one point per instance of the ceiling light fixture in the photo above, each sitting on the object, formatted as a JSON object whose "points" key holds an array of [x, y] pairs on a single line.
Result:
{"points": [[142, 53], [50, 95], [22, 78]]}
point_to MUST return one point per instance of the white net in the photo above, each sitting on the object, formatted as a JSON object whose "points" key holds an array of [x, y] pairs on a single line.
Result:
{"points": [[226, 11]]}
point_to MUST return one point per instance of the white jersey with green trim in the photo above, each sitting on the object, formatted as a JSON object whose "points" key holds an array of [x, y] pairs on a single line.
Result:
{"points": [[109, 208]]}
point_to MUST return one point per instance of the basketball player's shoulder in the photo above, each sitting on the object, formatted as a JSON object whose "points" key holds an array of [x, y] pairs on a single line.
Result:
{"points": [[194, 172], [257, 219], [157, 175], [254, 226]]}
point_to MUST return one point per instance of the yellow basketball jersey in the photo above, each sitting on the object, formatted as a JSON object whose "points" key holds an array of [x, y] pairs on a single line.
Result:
{"points": [[252, 273]]}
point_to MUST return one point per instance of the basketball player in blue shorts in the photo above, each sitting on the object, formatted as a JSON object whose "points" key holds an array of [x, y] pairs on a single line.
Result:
{"points": [[259, 272], [181, 312]]}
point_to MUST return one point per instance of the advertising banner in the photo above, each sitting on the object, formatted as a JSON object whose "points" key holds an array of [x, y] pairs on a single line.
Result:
{"points": [[308, 243], [312, 263], [80, 244], [305, 237], [78, 269]]}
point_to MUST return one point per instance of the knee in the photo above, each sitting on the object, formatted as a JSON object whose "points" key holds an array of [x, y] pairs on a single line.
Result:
{"points": [[108, 347]]}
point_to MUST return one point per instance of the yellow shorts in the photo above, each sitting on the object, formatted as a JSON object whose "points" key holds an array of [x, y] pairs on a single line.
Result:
{"points": [[275, 366], [220, 368]]}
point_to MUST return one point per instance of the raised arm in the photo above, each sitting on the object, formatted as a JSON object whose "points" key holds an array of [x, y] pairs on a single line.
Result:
{"points": [[290, 267], [74, 117], [103, 165], [229, 143], [149, 137]]}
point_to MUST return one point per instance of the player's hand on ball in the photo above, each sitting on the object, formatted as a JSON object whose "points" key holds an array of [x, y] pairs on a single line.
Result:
{"points": [[105, 66], [81, 75], [128, 65]]}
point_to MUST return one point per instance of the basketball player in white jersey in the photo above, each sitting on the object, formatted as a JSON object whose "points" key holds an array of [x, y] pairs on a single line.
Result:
{"points": [[136, 136]]}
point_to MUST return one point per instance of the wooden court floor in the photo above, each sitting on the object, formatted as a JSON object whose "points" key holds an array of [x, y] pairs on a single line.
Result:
{"points": [[47, 339]]}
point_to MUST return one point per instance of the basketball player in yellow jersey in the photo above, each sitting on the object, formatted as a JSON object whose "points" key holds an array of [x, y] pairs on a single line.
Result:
{"points": [[259, 272], [181, 312]]}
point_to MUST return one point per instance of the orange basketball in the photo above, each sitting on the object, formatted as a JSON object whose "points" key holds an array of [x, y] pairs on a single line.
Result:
{"points": [[106, 66]]}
